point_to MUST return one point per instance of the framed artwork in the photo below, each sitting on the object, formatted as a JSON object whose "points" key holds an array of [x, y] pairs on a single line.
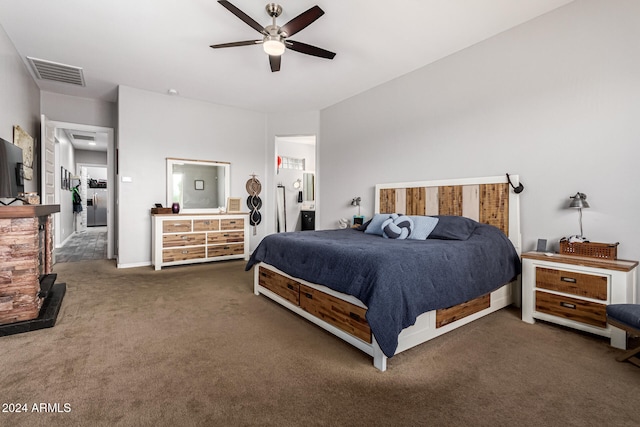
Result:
{"points": [[233, 204], [199, 184], [23, 140], [62, 177]]}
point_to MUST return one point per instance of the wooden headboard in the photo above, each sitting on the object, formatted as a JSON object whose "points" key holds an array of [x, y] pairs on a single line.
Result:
{"points": [[486, 199]]}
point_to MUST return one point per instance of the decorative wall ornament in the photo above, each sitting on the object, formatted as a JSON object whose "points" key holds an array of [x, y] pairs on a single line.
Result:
{"points": [[254, 203], [23, 140]]}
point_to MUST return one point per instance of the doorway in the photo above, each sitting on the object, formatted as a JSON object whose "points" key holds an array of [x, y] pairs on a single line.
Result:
{"points": [[295, 180], [66, 148]]}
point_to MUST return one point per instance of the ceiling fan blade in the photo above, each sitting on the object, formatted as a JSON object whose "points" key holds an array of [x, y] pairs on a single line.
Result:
{"points": [[234, 44], [246, 18], [274, 62], [301, 21], [309, 50]]}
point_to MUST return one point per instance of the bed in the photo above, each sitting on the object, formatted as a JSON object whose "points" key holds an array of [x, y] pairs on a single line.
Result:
{"points": [[385, 292]]}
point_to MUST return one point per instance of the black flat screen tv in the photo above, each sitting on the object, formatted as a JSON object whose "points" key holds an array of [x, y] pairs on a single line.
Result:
{"points": [[11, 178]]}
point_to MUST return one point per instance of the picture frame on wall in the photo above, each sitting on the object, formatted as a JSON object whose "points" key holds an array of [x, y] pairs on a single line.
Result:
{"points": [[61, 177], [233, 204], [198, 184]]}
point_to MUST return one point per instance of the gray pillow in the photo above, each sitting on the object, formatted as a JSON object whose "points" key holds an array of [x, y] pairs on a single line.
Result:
{"points": [[451, 227], [422, 226], [375, 225]]}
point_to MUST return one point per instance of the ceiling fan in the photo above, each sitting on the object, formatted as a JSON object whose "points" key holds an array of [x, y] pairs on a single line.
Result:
{"points": [[275, 39]]}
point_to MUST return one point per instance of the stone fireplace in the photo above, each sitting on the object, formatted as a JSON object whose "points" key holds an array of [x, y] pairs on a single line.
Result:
{"points": [[27, 284]]}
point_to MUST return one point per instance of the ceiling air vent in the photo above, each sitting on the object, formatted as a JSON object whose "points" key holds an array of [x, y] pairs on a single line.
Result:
{"points": [[47, 70], [84, 137]]}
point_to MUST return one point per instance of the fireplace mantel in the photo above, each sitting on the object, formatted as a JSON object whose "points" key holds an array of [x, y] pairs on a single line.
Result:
{"points": [[27, 211]]}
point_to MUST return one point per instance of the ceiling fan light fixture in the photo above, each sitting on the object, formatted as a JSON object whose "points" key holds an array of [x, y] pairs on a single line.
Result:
{"points": [[273, 45]]}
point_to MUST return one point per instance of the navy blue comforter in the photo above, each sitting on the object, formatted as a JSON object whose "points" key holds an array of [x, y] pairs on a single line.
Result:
{"points": [[396, 279]]}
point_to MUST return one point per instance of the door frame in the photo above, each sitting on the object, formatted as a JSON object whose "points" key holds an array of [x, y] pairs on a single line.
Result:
{"points": [[111, 174]]}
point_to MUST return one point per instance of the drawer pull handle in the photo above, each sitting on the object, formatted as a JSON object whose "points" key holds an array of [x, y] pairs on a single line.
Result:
{"points": [[184, 237], [263, 274], [226, 247], [207, 222], [225, 235], [290, 286], [185, 252], [568, 305], [354, 316], [568, 279], [308, 295], [232, 222]]}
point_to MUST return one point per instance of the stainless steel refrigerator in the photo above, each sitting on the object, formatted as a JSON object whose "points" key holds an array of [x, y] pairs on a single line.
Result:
{"points": [[96, 207]]}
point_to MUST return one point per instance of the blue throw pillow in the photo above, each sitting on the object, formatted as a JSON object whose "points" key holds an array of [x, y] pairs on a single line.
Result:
{"points": [[422, 226], [451, 227], [375, 225]]}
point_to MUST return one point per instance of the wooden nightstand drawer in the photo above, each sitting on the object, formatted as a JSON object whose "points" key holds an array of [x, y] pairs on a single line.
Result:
{"points": [[206, 225], [575, 309], [232, 224], [176, 226], [341, 314], [182, 254], [570, 282], [228, 237], [283, 286], [175, 240]]}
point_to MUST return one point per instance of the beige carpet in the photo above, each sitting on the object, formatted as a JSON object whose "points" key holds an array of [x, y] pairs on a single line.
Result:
{"points": [[193, 346]]}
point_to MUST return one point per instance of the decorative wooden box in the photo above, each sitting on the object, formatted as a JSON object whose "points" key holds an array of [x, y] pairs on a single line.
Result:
{"points": [[590, 249], [161, 211]]}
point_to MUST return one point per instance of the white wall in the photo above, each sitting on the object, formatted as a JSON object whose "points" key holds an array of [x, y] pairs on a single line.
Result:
{"points": [[153, 127], [64, 221], [88, 157], [20, 102], [74, 109], [555, 100]]}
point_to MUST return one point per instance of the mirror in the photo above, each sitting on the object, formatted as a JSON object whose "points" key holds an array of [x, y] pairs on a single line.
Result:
{"points": [[199, 186], [308, 187]]}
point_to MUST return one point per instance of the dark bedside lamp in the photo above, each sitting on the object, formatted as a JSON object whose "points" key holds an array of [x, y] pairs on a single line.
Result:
{"points": [[357, 219], [579, 201]]}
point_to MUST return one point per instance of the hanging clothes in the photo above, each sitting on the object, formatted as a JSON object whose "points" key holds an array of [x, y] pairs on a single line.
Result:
{"points": [[76, 199]]}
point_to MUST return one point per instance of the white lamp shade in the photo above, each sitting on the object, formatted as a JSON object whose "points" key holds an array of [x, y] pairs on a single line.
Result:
{"points": [[273, 46]]}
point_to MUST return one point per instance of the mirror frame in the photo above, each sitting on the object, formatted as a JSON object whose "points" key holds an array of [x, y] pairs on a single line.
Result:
{"points": [[171, 161]]}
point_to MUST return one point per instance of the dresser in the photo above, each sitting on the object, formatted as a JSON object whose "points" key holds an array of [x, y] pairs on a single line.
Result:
{"points": [[178, 239], [574, 291]]}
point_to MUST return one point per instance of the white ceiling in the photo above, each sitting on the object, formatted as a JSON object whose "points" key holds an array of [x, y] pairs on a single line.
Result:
{"points": [[158, 45]]}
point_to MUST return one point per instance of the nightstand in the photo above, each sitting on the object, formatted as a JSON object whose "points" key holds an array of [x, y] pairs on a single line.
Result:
{"points": [[574, 291], [308, 219]]}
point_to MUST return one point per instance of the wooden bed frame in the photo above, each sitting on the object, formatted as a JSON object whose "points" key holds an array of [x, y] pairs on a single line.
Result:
{"points": [[487, 200]]}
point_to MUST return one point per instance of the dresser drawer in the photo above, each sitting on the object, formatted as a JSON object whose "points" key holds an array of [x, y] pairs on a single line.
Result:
{"points": [[206, 225], [226, 237], [232, 224], [225, 250], [587, 312], [191, 239], [341, 314], [176, 226], [570, 282], [287, 288], [182, 254]]}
